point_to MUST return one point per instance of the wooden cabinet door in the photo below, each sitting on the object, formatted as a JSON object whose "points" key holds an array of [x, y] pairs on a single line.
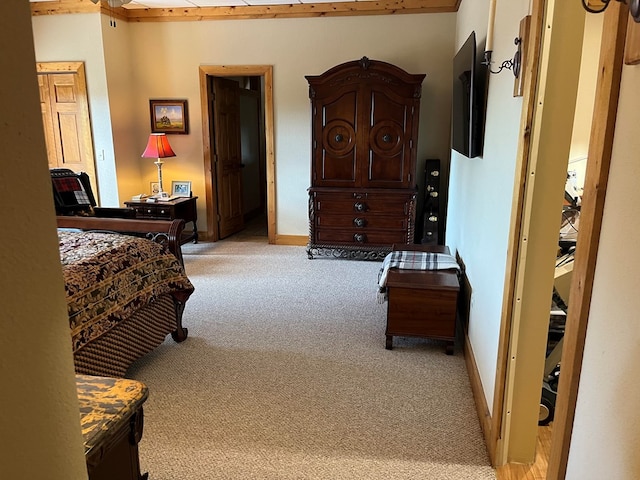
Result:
{"points": [[335, 139], [364, 125], [390, 138]]}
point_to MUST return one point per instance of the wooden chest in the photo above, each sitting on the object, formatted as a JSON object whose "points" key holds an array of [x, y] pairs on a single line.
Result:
{"points": [[422, 303]]}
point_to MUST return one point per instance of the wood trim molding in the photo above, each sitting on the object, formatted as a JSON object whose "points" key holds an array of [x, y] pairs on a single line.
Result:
{"points": [[597, 175], [293, 240], [265, 71], [334, 9], [61, 67], [482, 408], [60, 7], [531, 75]]}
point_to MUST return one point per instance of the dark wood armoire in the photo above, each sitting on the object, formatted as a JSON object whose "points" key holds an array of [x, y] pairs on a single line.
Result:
{"points": [[362, 198]]}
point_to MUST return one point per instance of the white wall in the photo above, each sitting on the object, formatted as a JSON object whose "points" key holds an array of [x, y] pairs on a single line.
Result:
{"points": [[295, 47], [164, 63], [39, 424], [481, 189], [606, 431], [65, 38], [129, 137]]}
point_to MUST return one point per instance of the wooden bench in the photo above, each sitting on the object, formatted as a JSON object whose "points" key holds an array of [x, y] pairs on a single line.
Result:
{"points": [[112, 420], [422, 303]]}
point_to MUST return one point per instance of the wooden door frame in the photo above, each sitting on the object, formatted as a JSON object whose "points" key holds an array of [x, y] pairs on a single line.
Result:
{"points": [[600, 149], [265, 71]]}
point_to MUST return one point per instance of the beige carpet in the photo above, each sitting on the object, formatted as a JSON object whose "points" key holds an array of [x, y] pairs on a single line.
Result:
{"points": [[285, 376]]}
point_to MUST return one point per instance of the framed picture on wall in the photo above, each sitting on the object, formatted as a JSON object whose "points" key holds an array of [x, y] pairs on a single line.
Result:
{"points": [[169, 116]]}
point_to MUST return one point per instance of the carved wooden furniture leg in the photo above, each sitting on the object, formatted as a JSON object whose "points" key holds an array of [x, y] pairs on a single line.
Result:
{"points": [[179, 300]]}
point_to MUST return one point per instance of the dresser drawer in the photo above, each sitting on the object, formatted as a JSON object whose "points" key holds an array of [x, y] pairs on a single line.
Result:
{"points": [[153, 211]]}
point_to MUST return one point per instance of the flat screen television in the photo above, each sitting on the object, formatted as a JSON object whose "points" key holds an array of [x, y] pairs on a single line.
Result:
{"points": [[469, 94]]}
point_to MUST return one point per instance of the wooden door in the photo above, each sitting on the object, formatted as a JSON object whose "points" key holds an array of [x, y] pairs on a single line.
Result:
{"points": [[65, 117], [227, 155]]}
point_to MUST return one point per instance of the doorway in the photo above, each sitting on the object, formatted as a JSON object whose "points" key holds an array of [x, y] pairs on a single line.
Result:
{"points": [[65, 117], [599, 153], [239, 90]]}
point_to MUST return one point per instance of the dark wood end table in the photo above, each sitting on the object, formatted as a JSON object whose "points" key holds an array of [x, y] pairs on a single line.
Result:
{"points": [[183, 208]]}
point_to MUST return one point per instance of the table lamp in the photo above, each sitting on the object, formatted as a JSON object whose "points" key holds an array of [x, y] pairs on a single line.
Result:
{"points": [[158, 147]]}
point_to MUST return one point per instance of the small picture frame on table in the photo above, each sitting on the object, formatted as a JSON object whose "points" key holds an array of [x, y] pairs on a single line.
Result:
{"points": [[154, 188], [169, 116], [180, 188]]}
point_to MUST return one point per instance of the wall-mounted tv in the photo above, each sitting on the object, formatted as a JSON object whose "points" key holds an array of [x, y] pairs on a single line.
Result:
{"points": [[469, 93]]}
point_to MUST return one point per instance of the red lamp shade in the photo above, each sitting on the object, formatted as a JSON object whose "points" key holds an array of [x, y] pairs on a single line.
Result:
{"points": [[158, 147]]}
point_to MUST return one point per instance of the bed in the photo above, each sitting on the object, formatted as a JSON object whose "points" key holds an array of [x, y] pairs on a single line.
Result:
{"points": [[126, 289]]}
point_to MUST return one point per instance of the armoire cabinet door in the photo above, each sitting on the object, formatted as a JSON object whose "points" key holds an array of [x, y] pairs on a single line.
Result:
{"points": [[389, 158], [365, 117], [335, 146]]}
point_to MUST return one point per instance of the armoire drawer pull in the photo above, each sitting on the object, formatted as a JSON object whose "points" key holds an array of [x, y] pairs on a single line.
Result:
{"points": [[359, 222], [359, 206], [360, 237]]}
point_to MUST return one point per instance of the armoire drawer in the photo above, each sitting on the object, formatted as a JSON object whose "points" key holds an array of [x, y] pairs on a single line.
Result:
{"points": [[359, 237], [353, 202], [362, 221]]}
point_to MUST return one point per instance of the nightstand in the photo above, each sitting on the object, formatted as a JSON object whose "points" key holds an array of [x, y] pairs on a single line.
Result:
{"points": [[184, 208]]}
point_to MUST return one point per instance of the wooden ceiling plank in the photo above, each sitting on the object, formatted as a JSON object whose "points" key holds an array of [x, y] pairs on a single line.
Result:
{"points": [[383, 7]]}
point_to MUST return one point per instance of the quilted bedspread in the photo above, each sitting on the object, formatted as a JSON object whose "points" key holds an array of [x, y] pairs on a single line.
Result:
{"points": [[109, 276]]}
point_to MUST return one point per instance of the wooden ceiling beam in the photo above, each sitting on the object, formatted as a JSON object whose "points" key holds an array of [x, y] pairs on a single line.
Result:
{"points": [[59, 7], [381, 7]]}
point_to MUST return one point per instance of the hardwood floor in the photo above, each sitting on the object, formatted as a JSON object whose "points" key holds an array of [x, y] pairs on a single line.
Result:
{"points": [[535, 471], [255, 229]]}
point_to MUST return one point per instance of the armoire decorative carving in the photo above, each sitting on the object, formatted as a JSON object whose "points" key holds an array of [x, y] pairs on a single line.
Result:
{"points": [[362, 198]]}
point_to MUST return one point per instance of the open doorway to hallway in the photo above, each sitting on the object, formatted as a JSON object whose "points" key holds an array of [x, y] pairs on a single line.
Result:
{"points": [[237, 109]]}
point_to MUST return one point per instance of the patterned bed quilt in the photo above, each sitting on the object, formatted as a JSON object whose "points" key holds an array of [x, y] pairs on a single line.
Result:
{"points": [[109, 276]]}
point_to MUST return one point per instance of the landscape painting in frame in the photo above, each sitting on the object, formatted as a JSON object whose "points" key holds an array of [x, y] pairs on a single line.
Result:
{"points": [[169, 116]]}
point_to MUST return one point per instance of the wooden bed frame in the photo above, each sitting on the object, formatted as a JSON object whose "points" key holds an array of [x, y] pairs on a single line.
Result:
{"points": [[161, 231], [113, 352]]}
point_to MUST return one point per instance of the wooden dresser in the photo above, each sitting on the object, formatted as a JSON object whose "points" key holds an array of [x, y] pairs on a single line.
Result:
{"points": [[362, 197]]}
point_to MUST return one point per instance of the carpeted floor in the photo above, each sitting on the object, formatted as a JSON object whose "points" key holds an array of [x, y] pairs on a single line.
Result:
{"points": [[285, 376]]}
